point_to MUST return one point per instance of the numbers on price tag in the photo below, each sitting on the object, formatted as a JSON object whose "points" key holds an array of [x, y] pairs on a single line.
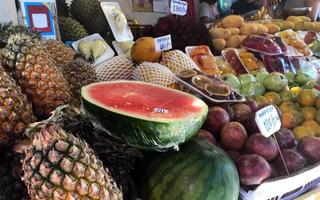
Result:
{"points": [[163, 43], [178, 7], [268, 120]]}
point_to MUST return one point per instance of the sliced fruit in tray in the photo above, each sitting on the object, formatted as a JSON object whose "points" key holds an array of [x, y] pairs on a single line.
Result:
{"points": [[249, 60], [231, 56], [262, 44], [204, 59], [208, 87]]}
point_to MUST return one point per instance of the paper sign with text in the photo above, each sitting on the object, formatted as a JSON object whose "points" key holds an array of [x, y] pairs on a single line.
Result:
{"points": [[178, 7], [268, 120], [163, 43]]}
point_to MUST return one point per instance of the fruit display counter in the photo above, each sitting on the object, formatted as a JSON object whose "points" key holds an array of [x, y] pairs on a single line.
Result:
{"points": [[238, 118]]}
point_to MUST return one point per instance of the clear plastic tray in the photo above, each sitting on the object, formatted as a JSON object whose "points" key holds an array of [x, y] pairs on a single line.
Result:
{"points": [[109, 53], [190, 87], [108, 10]]}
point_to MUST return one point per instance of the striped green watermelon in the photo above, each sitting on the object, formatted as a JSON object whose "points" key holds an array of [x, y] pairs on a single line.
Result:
{"points": [[144, 115], [199, 171]]}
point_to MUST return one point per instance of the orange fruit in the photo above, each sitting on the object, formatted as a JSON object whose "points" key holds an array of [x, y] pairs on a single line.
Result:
{"points": [[295, 90], [317, 116], [273, 98], [287, 96], [317, 104], [289, 106], [302, 131], [261, 100], [307, 98], [287, 120], [314, 126], [298, 117], [309, 112]]}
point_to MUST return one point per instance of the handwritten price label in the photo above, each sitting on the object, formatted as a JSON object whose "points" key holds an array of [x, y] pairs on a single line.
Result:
{"points": [[268, 120], [178, 7], [163, 43]]}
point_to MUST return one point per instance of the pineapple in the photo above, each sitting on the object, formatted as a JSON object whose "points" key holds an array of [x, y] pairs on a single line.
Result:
{"points": [[58, 165], [71, 29], [78, 73], [120, 158], [61, 54], [36, 73], [11, 186], [15, 111]]}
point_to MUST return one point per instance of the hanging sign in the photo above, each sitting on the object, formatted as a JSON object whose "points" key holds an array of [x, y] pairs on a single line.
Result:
{"points": [[178, 7]]}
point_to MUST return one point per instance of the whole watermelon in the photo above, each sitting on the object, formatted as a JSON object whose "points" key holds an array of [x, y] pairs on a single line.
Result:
{"points": [[199, 171]]}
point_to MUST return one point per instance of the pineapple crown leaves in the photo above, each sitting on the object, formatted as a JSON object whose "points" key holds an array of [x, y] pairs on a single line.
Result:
{"points": [[8, 29], [46, 131]]}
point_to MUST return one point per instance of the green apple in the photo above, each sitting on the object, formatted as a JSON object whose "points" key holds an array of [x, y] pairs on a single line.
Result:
{"points": [[260, 75], [232, 80], [253, 89], [275, 82], [246, 79]]}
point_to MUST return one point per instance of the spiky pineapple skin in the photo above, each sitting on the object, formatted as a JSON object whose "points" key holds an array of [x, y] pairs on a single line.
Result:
{"points": [[59, 166], [79, 73], [15, 110], [61, 54], [86, 10], [36, 74], [71, 29], [121, 159]]}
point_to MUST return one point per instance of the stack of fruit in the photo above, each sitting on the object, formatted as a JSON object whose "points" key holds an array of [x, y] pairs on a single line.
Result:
{"points": [[257, 157]]}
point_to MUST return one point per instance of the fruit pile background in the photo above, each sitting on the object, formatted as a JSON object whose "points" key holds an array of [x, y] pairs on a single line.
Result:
{"points": [[51, 148]]}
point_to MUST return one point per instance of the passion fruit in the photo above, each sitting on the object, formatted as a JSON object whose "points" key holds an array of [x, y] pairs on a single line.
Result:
{"points": [[218, 89], [200, 81], [188, 73]]}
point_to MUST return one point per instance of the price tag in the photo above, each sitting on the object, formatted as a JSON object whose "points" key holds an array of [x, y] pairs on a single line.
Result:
{"points": [[163, 43], [178, 7], [268, 121]]}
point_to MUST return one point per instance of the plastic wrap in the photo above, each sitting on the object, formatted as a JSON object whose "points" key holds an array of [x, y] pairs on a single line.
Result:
{"points": [[231, 57], [293, 39], [249, 60], [262, 44], [144, 115], [204, 59], [205, 86], [279, 63]]}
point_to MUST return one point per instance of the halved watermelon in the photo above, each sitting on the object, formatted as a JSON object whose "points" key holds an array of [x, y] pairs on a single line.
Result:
{"points": [[144, 115]]}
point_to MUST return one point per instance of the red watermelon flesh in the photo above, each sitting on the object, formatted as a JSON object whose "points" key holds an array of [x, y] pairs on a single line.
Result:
{"points": [[145, 101]]}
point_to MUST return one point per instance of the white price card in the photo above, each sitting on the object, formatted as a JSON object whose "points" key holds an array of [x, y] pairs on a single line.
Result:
{"points": [[163, 43], [178, 7], [268, 120]]}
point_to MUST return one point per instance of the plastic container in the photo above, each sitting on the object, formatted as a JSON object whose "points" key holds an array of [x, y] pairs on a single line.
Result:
{"points": [[204, 59], [231, 57], [123, 47], [285, 188], [262, 44], [109, 53], [117, 21], [201, 90]]}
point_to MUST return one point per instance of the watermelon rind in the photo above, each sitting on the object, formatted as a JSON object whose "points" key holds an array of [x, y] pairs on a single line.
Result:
{"points": [[141, 132], [199, 171]]}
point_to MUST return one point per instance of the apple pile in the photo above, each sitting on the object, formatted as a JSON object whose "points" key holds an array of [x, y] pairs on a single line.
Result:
{"points": [[233, 128]]}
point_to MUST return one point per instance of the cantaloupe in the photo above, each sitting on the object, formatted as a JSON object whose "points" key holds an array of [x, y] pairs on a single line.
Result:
{"points": [[144, 50]]}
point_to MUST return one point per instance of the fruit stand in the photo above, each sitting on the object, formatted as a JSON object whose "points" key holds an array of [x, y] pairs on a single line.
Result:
{"points": [[181, 110]]}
